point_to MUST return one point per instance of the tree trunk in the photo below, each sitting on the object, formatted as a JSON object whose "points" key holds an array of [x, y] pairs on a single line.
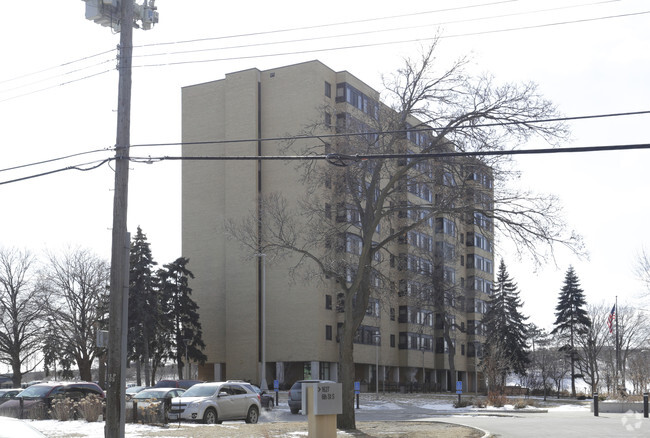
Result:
{"points": [[138, 371], [17, 376], [573, 376], [346, 420], [145, 359], [85, 369]]}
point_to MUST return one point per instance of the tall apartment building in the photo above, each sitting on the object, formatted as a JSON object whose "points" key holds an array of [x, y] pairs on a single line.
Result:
{"points": [[401, 332]]}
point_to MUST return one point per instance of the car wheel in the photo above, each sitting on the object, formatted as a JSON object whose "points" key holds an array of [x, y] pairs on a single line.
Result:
{"points": [[253, 415], [210, 416], [294, 410]]}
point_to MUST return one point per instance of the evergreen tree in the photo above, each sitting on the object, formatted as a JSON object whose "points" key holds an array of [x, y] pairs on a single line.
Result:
{"points": [[506, 327], [182, 313], [571, 318], [144, 308]]}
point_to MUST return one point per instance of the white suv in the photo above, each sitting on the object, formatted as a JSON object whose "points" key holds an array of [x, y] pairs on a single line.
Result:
{"points": [[215, 402]]}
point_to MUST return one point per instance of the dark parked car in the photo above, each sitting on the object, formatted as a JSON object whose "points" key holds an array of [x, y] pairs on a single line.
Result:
{"points": [[133, 390], [267, 400], [185, 384], [36, 400], [295, 394], [165, 395], [8, 394]]}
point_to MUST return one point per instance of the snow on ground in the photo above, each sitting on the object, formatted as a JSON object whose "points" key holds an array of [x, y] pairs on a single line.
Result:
{"points": [[388, 402]]}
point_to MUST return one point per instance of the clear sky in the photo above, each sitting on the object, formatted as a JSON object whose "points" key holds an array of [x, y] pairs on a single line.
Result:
{"points": [[58, 97]]}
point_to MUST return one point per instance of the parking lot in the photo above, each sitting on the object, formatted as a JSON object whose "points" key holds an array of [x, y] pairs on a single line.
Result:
{"points": [[403, 415]]}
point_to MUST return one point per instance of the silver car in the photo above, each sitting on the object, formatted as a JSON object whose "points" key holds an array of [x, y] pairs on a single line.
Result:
{"points": [[216, 402]]}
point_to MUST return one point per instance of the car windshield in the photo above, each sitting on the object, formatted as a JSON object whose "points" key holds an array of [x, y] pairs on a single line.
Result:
{"points": [[151, 393], [200, 391], [36, 391]]}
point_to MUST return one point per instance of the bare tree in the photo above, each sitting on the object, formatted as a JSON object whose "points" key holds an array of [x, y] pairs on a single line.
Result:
{"points": [[643, 270], [23, 308], [431, 109], [591, 344], [542, 357], [633, 333], [639, 370], [77, 281]]}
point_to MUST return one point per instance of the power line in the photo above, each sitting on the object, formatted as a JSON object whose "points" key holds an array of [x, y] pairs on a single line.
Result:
{"points": [[63, 169], [52, 160], [383, 30], [346, 159], [57, 76], [398, 131], [56, 66], [387, 43], [312, 137], [361, 157], [56, 85], [342, 23]]}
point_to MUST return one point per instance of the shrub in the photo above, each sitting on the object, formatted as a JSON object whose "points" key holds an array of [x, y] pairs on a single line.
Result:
{"points": [[479, 403], [463, 403], [91, 407], [496, 399], [152, 413], [520, 404], [63, 409]]}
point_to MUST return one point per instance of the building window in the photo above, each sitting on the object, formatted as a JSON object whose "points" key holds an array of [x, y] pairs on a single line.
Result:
{"points": [[481, 263], [324, 370], [367, 335], [328, 302], [462, 349], [392, 341], [373, 307], [415, 341], [392, 314], [446, 226], [328, 89], [328, 332], [328, 120]]}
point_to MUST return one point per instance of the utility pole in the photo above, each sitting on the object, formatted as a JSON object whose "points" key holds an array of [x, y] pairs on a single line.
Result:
{"points": [[120, 16], [115, 404]]}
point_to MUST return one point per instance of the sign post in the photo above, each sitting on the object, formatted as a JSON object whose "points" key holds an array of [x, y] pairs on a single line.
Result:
{"points": [[357, 391], [459, 389], [276, 388], [323, 401]]}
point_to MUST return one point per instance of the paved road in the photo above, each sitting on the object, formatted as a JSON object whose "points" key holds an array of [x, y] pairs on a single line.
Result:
{"points": [[558, 424], [510, 424]]}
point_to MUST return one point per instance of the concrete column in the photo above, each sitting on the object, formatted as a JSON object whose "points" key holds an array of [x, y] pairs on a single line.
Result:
{"points": [[334, 371], [218, 375], [279, 371], [315, 369]]}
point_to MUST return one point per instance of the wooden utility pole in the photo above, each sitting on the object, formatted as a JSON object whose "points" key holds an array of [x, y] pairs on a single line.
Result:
{"points": [[115, 403]]}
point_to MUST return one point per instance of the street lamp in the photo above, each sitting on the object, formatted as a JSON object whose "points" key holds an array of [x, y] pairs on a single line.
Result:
{"points": [[422, 347], [377, 337], [263, 383]]}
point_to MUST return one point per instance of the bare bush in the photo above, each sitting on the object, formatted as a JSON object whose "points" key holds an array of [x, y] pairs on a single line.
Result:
{"points": [[91, 407]]}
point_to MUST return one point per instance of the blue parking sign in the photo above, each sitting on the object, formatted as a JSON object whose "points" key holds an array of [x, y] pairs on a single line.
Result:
{"points": [[357, 387], [459, 387]]}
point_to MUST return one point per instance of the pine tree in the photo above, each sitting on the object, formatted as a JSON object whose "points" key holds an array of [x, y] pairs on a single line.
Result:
{"points": [[144, 309], [571, 318], [182, 313], [506, 327]]}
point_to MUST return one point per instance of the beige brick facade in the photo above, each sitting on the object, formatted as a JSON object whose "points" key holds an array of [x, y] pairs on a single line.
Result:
{"points": [[280, 102]]}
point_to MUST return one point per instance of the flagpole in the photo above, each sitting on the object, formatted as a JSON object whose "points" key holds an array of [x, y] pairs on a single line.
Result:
{"points": [[617, 345]]}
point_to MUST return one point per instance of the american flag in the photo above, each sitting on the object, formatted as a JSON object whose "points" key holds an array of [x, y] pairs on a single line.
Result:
{"points": [[611, 317]]}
